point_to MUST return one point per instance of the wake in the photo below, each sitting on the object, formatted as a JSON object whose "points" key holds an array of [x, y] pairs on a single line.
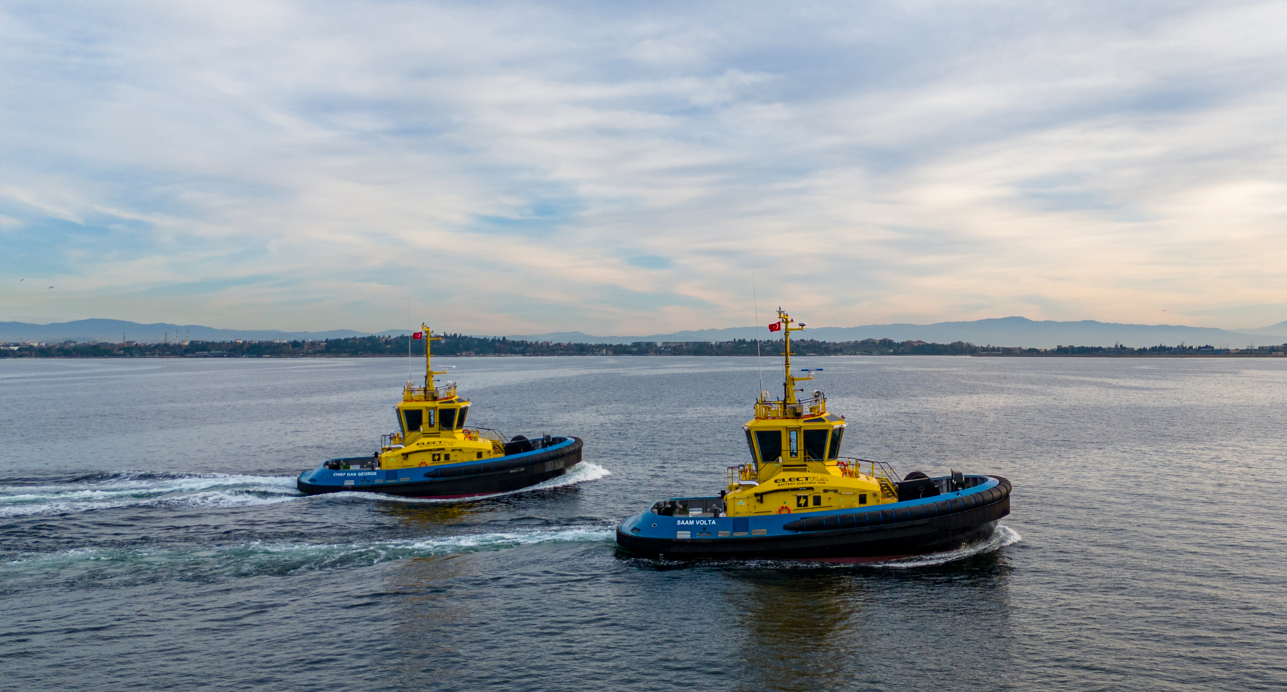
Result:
{"points": [[146, 490]]}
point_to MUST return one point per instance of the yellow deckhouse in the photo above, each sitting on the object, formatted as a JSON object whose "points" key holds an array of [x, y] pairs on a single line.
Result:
{"points": [[432, 425], [795, 455]]}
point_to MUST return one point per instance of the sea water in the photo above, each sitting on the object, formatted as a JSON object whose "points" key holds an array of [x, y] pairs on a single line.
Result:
{"points": [[151, 535]]}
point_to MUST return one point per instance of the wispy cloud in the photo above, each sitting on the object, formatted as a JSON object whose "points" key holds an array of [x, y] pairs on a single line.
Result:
{"points": [[524, 167]]}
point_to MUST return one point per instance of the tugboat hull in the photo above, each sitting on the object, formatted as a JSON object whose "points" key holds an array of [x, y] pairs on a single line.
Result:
{"points": [[463, 480], [915, 527]]}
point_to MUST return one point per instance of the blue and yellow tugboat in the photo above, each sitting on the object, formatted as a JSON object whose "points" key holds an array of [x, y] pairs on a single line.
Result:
{"points": [[799, 499], [433, 454]]}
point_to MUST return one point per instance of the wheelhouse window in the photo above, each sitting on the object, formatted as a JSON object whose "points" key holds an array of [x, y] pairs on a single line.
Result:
{"points": [[413, 418], [815, 445], [793, 442], [464, 411], [751, 446], [447, 420], [834, 449], [770, 444]]}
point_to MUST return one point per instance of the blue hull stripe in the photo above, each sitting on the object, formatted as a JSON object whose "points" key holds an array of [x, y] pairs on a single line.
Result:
{"points": [[322, 476], [652, 525]]}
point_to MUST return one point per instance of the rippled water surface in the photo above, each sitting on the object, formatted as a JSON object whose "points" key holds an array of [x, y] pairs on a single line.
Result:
{"points": [[151, 535]]}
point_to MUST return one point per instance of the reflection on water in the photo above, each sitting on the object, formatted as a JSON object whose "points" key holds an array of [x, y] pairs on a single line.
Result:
{"points": [[428, 612], [427, 516], [821, 628], [802, 628]]}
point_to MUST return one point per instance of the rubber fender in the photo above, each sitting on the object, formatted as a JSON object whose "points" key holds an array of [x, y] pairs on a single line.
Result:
{"points": [[944, 507], [831, 522], [887, 516], [957, 504], [814, 524], [847, 521], [970, 501], [1003, 484], [797, 525]]}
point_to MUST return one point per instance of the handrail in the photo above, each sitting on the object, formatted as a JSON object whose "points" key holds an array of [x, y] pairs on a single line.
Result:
{"points": [[446, 390], [490, 434], [877, 469], [813, 406], [740, 472]]}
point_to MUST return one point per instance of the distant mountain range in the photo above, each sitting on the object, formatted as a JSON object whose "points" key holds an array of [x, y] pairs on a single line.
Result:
{"points": [[121, 330], [1005, 331]]}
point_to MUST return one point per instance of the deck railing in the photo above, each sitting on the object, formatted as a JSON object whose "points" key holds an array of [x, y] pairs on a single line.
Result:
{"points": [[487, 434], [812, 406], [446, 390], [852, 467], [741, 473]]}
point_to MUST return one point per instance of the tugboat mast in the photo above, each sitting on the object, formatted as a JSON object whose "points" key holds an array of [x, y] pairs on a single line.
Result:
{"points": [[429, 371], [788, 382]]}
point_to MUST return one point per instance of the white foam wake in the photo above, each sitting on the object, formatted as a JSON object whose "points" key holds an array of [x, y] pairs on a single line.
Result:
{"points": [[253, 558], [205, 490], [583, 472], [1002, 537]]}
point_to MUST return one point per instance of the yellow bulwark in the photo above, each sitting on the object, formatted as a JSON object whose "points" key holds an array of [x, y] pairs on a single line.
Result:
{"points": [[795, 455], [432, 425]]}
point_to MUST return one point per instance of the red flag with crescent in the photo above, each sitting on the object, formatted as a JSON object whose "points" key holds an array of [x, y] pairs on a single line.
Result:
{"points": [[418, 335], [775, 327]]}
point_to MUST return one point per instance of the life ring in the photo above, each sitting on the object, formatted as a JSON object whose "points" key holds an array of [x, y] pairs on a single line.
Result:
{"points": [[784, 510], [424, 463], [844, 468]]}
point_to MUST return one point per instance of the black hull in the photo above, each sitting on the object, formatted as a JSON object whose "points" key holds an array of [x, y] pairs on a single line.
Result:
{"points": [[490, 477], [872, 542]]}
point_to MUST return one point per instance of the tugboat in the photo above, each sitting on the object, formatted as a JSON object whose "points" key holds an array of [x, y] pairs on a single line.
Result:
{"points": [[433, 455], [799, 499]]}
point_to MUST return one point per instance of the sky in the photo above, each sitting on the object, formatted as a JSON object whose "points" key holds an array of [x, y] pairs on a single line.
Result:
{"points": [[639, 167]]}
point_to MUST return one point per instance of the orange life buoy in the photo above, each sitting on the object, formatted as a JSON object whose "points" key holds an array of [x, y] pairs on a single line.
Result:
{"points": [[424, 463], [844, 468], [785, 509]]}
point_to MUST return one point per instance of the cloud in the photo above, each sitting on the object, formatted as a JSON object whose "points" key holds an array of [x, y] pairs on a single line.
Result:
{"points": [[523, 167]]}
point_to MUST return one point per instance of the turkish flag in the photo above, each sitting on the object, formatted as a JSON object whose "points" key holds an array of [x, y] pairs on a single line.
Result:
{"points": [[418, 335], [775, 327]]}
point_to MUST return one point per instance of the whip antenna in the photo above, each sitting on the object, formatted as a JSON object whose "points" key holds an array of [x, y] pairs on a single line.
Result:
{"points": [[758, 363]]}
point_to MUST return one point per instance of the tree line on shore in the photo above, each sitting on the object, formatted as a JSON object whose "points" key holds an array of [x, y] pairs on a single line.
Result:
{"points": [[462, 345]]}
